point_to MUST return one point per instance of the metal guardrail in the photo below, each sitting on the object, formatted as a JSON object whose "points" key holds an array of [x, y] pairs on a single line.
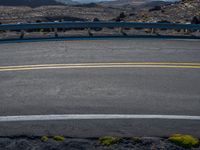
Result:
{"points": [[98, 25]]}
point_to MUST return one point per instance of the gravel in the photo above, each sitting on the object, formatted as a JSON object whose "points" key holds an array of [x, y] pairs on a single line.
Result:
{"points": [[34, 143]]}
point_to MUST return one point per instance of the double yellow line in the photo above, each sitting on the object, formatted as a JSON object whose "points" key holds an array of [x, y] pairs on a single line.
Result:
{"points": [[103, 65]]}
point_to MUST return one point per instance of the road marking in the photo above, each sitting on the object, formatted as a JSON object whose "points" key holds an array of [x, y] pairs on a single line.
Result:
{"points": [[93, 117], [103, 65]]}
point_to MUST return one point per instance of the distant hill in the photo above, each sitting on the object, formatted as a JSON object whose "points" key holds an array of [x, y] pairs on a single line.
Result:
{"points": [[135, 3], [68, 2], [31, 3], [125, 2], [151, 4]]}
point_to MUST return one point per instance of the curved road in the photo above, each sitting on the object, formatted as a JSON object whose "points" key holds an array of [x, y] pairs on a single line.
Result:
{"points": [[138, 87]]}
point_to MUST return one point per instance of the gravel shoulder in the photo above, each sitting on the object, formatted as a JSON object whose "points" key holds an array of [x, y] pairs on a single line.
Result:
{"points": [[35, 143]]}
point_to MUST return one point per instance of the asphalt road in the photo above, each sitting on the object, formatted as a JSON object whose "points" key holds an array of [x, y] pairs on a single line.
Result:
{"points": [[148, 89]]}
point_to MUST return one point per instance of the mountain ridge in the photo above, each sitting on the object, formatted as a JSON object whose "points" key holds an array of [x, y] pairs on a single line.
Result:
{"points": [[37, 3], [30, 3], [135, 3]]}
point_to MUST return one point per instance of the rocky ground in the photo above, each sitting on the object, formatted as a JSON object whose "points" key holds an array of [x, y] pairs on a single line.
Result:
{"points": [[56, 13], [35, 143], [181, 12]]}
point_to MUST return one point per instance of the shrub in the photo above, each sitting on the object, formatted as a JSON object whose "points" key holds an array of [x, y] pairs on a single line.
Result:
{"points": [[59, 138], [44, 138], [136, 140], [186, 141], [108, 140]]}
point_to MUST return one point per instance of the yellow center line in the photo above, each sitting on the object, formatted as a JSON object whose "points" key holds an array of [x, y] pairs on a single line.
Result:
{"points": [[103, 65], [99, 64]]}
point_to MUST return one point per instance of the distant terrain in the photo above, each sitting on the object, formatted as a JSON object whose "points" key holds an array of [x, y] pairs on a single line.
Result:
{"points": [[30, 3], [127, 2], [120, 10], [179, 12], [113, 3]]}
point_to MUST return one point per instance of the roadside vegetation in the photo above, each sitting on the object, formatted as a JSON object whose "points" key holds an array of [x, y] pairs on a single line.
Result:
{"points": [[44, 138], [186, 141], [55, 138], [174, 142], [109, 140], [59, 138]]}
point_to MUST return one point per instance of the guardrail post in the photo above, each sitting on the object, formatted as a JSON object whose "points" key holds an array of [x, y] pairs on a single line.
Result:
{"points": [[187, 31], [89, 32], [55, 32], [121, 30], [22, 33], [152, 31]]}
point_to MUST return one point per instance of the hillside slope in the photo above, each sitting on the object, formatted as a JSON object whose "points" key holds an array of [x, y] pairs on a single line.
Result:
{"points": [[182, 12], [31, 3], [134, 3]]}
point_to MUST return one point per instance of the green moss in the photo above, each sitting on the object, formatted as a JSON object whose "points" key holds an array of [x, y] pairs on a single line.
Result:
{"points": [[44, 138], [186, 141], [59, 138], [136, 140], [108, 140]]}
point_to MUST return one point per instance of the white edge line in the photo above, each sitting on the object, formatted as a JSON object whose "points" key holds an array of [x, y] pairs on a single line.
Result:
{"points": [[93, 117]]}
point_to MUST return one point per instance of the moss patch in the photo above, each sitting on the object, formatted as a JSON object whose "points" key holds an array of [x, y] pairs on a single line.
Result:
{"points": [[186, 141], [59, 138], [108, 140], [44, 138], [136, 140]]}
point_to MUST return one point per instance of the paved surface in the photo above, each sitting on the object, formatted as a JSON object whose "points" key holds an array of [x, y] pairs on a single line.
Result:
{"points": [[132, 90]]}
